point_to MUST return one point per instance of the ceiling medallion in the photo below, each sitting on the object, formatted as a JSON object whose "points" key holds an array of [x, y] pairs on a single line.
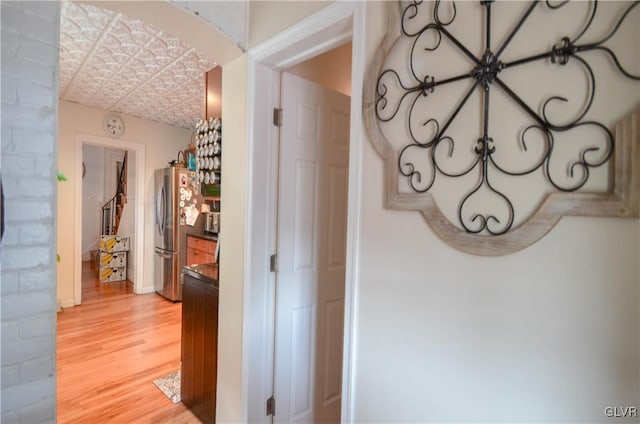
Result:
{"points": [[484, 75]]}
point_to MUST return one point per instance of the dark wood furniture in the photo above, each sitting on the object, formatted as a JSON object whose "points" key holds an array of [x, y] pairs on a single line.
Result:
{"points": [[200, 340]]}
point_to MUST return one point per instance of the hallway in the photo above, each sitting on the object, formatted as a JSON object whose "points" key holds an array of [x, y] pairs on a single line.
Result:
{"points": [[109, 351], [95, 291]]}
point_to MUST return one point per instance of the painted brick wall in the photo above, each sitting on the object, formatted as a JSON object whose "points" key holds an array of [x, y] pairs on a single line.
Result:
{"points": [[29, 38], [230, 17]]}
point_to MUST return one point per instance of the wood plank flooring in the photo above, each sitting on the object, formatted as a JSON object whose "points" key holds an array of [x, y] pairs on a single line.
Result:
{"points": [[93, 290], [110, 349]]}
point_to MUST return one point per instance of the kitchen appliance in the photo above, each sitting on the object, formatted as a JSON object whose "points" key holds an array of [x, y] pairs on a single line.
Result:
{"points": [[212, 222], [177, 201], [212, 219]]}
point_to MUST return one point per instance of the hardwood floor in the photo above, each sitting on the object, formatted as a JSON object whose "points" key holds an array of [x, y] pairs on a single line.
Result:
{"points": [[110, 349], [93, 290]]}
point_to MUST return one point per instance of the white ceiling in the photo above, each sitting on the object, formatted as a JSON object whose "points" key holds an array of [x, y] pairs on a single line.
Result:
{"points": [[113, 62]]}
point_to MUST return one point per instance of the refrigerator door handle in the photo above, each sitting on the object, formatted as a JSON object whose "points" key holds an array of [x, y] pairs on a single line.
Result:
{"points": [[164, 208], [158, 206], [161, 210], [164, 255]]}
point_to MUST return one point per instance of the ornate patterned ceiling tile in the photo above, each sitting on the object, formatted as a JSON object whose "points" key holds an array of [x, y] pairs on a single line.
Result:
{"points": [[89, 89], [162, 104], [96, 16], [167, 82], [112, 66], [111, 44], [73, 58], [120, 59], [110, 61], [151, 68], [65, 76], [198, 62], [97, 66], [146, 91], [77, 36], [166, 48], [192, 93], [76, 96], [156, 111], [174, 44], [189, 69], [144, 55], [164, 58], [136, 108], [133, 112], [80, 24], [137, 67], [82, 89], [152, 61], [183, 114], [92, 80], [76, 42], [204, 63], [84, 17], [131, 31]]}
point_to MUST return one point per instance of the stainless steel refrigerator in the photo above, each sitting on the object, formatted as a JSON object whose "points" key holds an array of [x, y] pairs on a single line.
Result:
{"points": [[175, 196]]}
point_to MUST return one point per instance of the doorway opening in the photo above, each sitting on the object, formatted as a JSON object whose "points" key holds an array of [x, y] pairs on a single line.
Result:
{"points": [[108, 207], [331, 27], [101, 165], [313, 171]]}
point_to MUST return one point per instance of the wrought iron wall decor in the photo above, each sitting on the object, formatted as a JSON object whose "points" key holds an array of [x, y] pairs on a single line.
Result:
{"points": [[477, 232]]}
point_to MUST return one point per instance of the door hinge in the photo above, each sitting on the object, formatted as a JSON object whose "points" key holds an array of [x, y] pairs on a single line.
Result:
{"points": [[271, 406], [277, 117], [273, 263]]}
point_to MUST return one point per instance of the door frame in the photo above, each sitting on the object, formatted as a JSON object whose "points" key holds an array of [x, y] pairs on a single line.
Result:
{"points": [[324, 30], [140, 171]]}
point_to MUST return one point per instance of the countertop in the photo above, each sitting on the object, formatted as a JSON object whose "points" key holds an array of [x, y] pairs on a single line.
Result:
{"points": [[207, 273], [205, 236]]}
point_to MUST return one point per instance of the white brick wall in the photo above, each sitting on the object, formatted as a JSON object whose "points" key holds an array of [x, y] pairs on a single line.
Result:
{"points": [[230, 17], [29, 38]]}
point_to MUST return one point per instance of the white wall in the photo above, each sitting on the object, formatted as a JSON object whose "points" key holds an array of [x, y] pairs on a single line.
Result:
{"points": [[162, 143], [331, 70], [92, 197], [227, 16], [267, 18], [233, 214], [28, 255], [549, 334]]}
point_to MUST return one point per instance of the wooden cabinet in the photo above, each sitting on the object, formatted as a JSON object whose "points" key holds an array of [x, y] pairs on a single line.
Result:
{"points": [[200, 251], [199, 347]]}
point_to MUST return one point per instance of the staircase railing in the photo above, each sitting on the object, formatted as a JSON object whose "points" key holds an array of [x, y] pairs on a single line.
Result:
{"points": [[112, 210]]}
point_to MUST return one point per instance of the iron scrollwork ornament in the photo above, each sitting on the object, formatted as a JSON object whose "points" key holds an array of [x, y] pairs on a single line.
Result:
{"points": [[485, 75]]}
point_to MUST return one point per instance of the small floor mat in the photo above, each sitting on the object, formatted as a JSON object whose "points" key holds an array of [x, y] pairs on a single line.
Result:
{"points": [[170, 386]]}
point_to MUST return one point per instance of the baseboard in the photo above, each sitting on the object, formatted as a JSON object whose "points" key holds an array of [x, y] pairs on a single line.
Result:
{"points": [[66, 303], [146, 290]]}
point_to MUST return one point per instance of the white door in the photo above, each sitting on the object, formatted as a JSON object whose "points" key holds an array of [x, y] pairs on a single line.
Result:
{"points": [[312, 211]]}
